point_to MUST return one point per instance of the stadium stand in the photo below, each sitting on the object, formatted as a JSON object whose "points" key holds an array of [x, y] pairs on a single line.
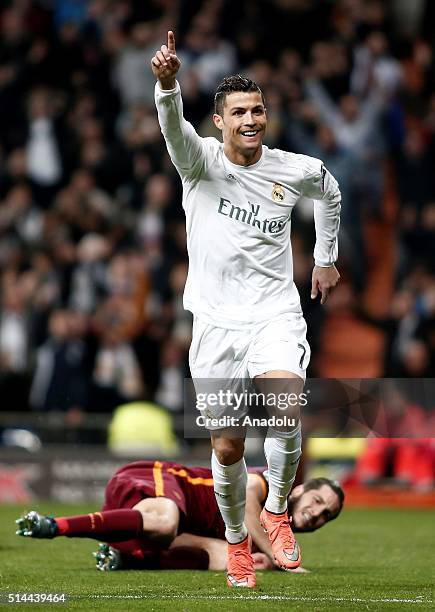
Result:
{"points": [[92, 242]]}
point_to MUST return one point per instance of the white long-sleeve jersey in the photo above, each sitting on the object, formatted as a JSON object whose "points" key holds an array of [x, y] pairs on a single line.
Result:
{"points": [[238, 222]]}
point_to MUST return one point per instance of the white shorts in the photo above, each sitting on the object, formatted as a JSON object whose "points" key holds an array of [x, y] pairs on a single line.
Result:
{"points": [[278, 344], [240, 355]]}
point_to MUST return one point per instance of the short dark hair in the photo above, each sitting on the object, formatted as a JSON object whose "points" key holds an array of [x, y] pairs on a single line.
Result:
{"points": [[232, 84], [316, 483]]}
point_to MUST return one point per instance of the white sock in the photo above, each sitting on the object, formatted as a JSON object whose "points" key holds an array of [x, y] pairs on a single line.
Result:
{"points": [[282, 450], [230, 491]]}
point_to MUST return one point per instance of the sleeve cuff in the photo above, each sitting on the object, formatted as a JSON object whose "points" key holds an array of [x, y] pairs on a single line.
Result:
{"points": [[166, 92]]}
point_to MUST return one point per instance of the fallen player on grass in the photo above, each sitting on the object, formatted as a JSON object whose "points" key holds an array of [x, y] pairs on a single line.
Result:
{"points": [[162, 515]]}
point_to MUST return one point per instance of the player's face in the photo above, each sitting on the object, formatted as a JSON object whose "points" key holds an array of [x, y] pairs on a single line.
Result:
{"points": [[312, 509], [243, 124]]}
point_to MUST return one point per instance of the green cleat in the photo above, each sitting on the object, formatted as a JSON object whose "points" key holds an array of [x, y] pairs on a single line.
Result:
{"points": [[35, 525], [108, 558]]}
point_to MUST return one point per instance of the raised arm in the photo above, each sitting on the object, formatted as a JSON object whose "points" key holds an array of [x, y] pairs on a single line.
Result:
{"points": [[320, 185], [184, 146]]}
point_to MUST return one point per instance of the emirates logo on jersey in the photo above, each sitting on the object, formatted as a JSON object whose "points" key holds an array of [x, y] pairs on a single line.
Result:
{"points": [[278, 193], [276, 225]]}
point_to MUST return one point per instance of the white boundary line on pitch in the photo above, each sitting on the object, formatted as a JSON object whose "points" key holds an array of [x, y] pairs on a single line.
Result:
{"points": [[417, 600]]}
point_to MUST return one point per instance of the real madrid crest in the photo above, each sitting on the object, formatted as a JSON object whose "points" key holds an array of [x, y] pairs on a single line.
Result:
{"points": [[278, 192]]}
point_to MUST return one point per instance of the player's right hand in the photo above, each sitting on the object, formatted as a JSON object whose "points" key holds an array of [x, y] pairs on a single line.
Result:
{"points": [[165, 63], [262, 561]]}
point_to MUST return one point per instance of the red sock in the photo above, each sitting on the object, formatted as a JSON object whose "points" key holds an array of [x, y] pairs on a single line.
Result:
{"points": [[110, 525]]}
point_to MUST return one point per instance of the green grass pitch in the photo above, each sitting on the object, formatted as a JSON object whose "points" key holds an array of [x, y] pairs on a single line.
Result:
{"points": [[366, 560]]}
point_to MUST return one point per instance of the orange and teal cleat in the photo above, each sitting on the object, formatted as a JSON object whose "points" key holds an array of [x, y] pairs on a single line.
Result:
{"points": [[285, 549], [241, 571]]}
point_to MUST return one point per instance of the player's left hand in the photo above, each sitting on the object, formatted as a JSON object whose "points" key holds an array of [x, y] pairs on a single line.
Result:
{"points": [[323, 280]]}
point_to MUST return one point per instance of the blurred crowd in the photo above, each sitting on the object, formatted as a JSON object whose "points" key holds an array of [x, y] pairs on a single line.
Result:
{"points": [[92, 240]]}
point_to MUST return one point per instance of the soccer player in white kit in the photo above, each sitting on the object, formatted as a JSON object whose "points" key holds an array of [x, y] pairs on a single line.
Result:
{"points": [[238, 197]]}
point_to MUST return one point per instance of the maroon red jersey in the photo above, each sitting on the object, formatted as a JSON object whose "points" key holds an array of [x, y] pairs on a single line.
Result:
{"points": [[191, 488]]}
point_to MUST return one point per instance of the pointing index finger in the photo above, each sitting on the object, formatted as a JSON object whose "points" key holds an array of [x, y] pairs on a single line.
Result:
{"points": [[171, 42]]}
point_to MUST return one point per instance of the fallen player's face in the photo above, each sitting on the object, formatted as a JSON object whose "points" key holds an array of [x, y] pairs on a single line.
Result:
{"points": [[312, 509], [244, 121]]}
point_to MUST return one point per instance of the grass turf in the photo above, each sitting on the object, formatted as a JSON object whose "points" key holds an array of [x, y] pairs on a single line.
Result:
{"points": [[366, 560]]}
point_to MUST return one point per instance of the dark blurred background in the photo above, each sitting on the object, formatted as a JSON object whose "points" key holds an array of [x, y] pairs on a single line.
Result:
{"points": [[92, 240]]}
